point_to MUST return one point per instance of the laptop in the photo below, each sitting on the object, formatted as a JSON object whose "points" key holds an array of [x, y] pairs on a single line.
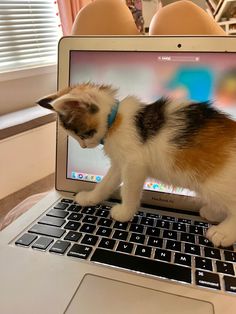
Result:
{"points": [[60, 257]]}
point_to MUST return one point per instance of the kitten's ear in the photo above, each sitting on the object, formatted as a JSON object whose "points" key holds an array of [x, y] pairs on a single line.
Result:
{"points": [[46, 102]]}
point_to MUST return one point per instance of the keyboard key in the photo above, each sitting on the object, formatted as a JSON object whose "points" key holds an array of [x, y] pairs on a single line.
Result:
{"points": [[156, 242], [196, 230], [136, 228], [184, 221], [163, 224], [26, 239], [163, 255], [230, 283], [170, 234], [61, 206], [88, 228], [201, 224], [228, 248], [204, 241], [192, 249], [211, 252], [203, 263], [104, 231], [147, 221], [155, 232], [230, 256], [105, 222], [135, 220], [150, 215], [107, 243], [107, 207], [75, 216], [57, 213], [225, 268], [144, 251], [206, 279], [121, 225], [140, 213], [179, 227], [52, 221], [47, 230], [88, 210], [168, 218], [42, 243], [59, 247], [173, 245], [66, 200], [89, 239], [140, 264], [102, 213], [137, 238], [186, 237], [90, 219], [120, 235], [73, 236], [80, 251], [72, 225], [183, 259], [74, 208], [125, 247]]}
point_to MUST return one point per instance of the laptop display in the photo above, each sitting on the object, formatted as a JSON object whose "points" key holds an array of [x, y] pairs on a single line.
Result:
{"points": [[198, 77]]}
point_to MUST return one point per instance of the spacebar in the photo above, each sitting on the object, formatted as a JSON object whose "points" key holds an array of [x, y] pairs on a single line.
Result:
{"points": [[147, 266]]}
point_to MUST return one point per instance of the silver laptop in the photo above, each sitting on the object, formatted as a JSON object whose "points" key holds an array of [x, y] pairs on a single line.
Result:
{"points": [[62, 258]]}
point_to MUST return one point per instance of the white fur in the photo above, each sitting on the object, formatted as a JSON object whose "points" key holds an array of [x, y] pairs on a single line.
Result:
{"points": [[132, 162]]}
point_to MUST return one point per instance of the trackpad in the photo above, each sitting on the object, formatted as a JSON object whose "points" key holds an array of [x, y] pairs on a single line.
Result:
{"points": [[105, 296]]}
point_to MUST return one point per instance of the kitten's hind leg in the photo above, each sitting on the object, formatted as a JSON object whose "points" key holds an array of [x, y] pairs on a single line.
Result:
{"points": [[223, 234]]}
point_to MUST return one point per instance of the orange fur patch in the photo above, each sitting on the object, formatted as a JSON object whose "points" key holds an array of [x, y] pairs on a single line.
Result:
{"points": [[209, 151], [115, 125]]}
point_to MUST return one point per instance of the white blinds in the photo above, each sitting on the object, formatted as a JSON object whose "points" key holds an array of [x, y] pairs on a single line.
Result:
{"points": [[29, 33]]}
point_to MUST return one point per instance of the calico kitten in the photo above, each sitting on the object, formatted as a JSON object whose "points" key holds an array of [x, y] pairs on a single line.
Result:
{"points": [[185, 144]]}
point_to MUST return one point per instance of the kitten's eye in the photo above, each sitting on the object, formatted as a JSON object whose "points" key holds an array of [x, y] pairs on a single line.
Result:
{"points": [[87, 134]]}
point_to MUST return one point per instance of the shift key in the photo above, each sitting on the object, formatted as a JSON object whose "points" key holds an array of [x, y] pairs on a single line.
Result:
{"points": [[47, 230]]}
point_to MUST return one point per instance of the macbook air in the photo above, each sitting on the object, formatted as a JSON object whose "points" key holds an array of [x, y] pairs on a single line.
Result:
{"points": [[60, 257]]}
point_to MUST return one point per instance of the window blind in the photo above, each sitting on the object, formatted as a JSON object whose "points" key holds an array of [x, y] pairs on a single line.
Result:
{"points": [[29, 33]]}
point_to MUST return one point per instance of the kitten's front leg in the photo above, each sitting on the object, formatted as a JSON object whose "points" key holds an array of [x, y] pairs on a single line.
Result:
{"points": [[133, 177], [102, 191]]}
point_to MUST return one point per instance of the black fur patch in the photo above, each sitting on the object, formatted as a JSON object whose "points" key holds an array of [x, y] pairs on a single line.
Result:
{"points": [[150, 119], [192, 119]]}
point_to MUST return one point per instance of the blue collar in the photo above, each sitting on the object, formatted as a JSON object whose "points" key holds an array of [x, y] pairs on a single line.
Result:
{"points": [[111, 117]]}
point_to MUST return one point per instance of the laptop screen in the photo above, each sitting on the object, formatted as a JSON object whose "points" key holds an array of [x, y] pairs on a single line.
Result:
{"points": [[149, 76]]}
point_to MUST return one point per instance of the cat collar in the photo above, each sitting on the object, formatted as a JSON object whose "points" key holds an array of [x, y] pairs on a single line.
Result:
{"points": [[111, 117]]}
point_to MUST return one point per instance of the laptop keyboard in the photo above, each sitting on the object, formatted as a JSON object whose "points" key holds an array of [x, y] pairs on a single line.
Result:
{"points": [[158, 245]]}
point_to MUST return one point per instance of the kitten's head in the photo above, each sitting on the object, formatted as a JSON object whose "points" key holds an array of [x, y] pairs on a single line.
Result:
{"points": [[83, 111]]}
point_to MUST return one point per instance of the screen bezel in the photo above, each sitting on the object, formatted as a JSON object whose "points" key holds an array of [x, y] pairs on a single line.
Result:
{"points": [[129, 43]]}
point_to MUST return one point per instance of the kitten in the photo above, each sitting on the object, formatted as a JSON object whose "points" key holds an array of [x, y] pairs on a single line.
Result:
{"points": [[185, 144]]}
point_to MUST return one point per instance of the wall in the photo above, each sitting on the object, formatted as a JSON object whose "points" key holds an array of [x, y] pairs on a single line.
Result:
{"points": [[26, 158]]}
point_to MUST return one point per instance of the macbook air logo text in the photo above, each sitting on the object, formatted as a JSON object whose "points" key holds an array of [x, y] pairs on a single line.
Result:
{"points": [[159, 199]]}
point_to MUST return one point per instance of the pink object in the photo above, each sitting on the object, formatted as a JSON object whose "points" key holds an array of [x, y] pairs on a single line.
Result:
{"points": [[68, 10]]}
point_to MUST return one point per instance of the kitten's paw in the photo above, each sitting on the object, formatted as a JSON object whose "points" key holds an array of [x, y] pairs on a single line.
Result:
{"points": [[86, 198], [121, 213], [221, 236], [211, 215]]}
